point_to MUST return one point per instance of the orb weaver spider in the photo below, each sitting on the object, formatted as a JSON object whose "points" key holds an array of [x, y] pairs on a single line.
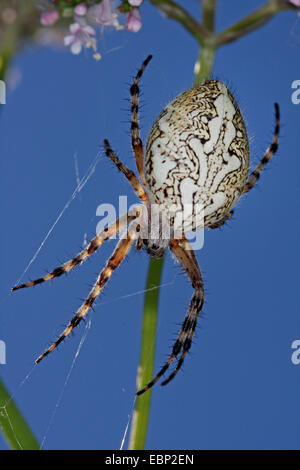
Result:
{"points": [[197, 153]]}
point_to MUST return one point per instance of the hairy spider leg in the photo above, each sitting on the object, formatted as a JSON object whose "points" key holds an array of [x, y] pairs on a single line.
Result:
{"points": [[129, 174], [184, 340], [92, 247], [114, 262], [136, 142]]}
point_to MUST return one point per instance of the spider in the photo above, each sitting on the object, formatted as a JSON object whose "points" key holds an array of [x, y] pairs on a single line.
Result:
{"points": [[197, 153]]}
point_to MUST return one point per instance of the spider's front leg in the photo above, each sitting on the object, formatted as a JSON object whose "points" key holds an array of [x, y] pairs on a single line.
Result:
{"points": [[109, 231], [92, 247], [129, 174], [187, 259], [136, 142], [114, 262]]}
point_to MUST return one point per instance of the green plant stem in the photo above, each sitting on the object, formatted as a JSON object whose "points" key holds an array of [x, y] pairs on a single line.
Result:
{"points": [[205, 62], [208, 47], [178, 13], [141, 413], [13, 426], [208, 14], [255, 20], [205, 31]]}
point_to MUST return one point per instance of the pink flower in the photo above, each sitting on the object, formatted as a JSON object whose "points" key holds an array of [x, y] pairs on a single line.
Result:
{"points": [[135, 3], [48, 18], [295, 2], [80, 9], [81, 35], [134, 20], [102, 13]]}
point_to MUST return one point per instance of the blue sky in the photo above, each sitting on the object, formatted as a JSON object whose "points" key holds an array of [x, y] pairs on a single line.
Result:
{"points": [[239, 388]]}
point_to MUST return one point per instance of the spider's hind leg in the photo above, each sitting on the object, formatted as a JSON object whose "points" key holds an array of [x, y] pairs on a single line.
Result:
{"points": [[187, 259]]}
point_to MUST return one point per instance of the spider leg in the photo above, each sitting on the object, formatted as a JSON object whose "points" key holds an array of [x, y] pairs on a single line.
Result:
{"points": [[114, 261], [223, 220], [132, 178], [271, 150], [188, 249], [253, 178], [136, 142], [93, 246], [183, 343]]}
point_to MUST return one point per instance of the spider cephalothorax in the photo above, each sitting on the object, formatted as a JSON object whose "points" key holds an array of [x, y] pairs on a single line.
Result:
{"points": [[196, 169]]}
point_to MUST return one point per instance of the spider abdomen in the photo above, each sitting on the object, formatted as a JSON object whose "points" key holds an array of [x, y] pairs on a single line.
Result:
{"points": [[197, 157]]}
